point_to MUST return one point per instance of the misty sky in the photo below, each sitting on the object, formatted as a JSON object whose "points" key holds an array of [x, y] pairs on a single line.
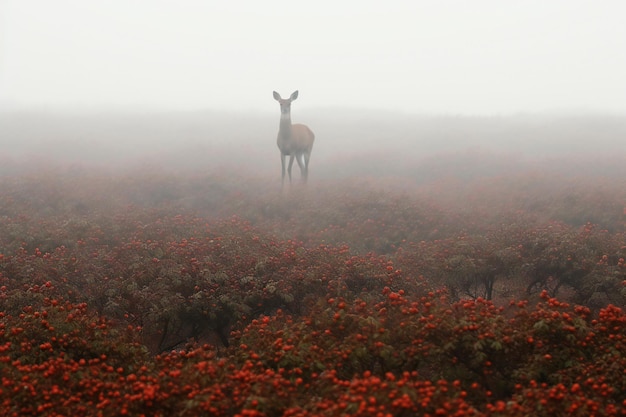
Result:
{"points": [[453, 57]]}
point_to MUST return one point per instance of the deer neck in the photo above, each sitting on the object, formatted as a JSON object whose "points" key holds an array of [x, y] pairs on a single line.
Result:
{"points": [[284, 127]]}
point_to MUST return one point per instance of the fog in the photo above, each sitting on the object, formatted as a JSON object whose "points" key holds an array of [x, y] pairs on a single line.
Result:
{"points": [[349, 144], [407, 91], [447, 57]]}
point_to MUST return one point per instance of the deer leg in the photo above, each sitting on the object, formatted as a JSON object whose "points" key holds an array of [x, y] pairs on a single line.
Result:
{"points": [[282, 163], [301, 165], [290, 165], [307, 157]]}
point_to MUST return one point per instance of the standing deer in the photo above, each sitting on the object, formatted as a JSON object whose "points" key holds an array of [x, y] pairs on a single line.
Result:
{"points": [[293, 140]]}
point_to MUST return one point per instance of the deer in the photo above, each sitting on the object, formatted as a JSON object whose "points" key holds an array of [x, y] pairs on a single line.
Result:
{"points": [[294, 140]]}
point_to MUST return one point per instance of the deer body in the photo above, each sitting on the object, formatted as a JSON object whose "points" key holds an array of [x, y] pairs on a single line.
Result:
{"points": [[294, 140]]}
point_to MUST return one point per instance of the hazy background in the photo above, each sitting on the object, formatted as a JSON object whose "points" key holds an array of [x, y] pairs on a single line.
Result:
{"points": [[452, 57], [408, 89]]}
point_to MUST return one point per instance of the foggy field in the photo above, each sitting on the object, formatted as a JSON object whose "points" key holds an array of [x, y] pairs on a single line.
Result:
{"points": [[364, 164], [223, 164], [152, 263], [349, 143]]}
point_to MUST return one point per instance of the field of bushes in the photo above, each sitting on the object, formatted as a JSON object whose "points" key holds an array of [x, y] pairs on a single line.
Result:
{"points": [[484, 288]]}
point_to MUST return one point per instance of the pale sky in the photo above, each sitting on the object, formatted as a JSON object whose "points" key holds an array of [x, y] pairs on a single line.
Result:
{"points": [[451, 57]]}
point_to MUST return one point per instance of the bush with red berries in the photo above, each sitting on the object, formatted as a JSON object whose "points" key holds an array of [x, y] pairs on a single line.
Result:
{"points": [[123, 297]]}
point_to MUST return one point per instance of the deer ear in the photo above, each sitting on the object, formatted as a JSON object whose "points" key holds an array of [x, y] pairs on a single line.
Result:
{"points": [[276, 96], [294, 95]]}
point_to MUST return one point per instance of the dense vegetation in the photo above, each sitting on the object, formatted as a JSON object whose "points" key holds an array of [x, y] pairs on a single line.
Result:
{"points": [[179, 294]]}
